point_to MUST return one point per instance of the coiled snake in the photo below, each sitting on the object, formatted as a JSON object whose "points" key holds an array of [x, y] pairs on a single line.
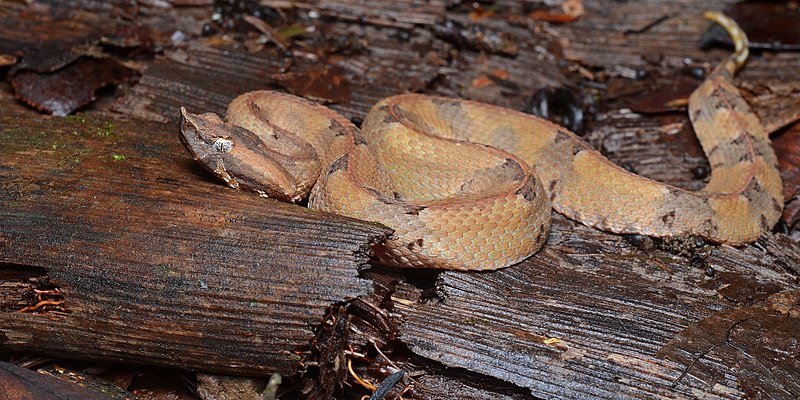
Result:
{"points": [[455, 178]]}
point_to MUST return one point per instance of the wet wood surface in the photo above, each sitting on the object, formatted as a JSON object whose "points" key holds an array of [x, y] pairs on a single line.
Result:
{"points": [[152, 260], [592, 315]]}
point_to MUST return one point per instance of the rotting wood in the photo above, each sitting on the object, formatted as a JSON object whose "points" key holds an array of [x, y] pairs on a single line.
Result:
{"points": [[156, 262]]}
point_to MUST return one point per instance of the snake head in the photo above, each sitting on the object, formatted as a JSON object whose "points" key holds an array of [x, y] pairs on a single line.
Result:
{"points": [[239, 157]]}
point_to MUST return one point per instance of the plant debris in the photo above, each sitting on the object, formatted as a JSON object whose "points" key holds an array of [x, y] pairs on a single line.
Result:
{"points": [[771, 25], [326, 84], [475, 37], [569, 11], [64, 91], [756, 343], [787, 148], [654, 94]]}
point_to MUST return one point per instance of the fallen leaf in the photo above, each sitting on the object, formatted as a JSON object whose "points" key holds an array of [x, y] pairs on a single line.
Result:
{"points": [[787, 148], [69, 88], [293, 30], [326, 84], [757, 344], [740, 288], [661, 95], [769, 24]]}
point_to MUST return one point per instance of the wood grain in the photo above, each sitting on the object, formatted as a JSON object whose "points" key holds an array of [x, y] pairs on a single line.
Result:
{"points": [[156, 261], [609, 307]]}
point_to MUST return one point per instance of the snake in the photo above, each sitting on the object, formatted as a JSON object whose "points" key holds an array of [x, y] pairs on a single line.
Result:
{"points": [[470, 186]]}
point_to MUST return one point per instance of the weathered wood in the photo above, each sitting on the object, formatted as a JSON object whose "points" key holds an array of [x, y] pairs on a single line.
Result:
{"points": [[617, 310], [611, 308], [21, 383], [156, 262]]}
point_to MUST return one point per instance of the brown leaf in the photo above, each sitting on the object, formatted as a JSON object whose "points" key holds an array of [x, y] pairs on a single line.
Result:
{"points": [[787, 148], [44, 43], [661, 95], [326, 84], [769, 24], [20, 383], [739, 288], [757, 344], [69, 88]]}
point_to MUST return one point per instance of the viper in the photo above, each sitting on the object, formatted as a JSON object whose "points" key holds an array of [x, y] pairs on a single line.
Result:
{"points": [[470, 186]]}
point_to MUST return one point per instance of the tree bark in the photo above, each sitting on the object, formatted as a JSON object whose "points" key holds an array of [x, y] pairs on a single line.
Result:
{"points": [[145, 257]]}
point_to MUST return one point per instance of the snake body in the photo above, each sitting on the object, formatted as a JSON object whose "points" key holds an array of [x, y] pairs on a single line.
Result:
{"points": [[457, 180]]}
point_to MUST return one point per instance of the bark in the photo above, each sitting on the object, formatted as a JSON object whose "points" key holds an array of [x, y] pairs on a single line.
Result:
{"points": [[147, 258]]}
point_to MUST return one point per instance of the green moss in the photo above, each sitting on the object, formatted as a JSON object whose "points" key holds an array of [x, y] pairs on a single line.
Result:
{"points": [[88, 125], [18, 138], [163, 269], [292, 31], [75, 118], [474, 322], [118, 157], [62, 135], [105, 128]]}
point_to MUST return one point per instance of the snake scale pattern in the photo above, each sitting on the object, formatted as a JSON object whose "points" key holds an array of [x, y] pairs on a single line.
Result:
{"points": [[466, 185]]}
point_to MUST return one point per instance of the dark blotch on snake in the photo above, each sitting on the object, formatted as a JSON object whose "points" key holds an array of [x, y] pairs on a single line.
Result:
{"points": [[668, 218], [518, 172], [528, 190], [417, 243], [764, 223], [340, 163], [414, 210], [358, 137], [337, 128]]}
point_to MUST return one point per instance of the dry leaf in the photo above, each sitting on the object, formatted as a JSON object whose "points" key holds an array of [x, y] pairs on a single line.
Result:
{"points": [[326, 84]]}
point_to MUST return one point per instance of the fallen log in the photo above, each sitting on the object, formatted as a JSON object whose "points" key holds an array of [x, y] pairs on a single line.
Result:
{"points": [[593, 316], [114, 245]]}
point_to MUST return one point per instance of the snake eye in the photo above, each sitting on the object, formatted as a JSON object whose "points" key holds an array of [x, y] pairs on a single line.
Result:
{"points": [[222, 145]]}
